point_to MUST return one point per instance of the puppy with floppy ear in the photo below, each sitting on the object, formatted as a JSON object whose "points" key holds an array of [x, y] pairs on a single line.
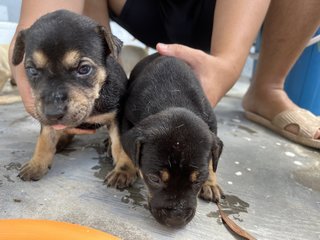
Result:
{"points": [[169, 131], [70, 62]]}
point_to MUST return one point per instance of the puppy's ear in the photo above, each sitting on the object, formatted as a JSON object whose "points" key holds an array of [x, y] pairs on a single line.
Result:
{"points": [[19, 48], [217, 146], [114, 43], [132, 143]]}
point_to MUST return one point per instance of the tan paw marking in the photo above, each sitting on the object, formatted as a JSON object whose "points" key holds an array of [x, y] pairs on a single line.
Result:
{"points": [[210, 190], [32, 172], [121, 178]]}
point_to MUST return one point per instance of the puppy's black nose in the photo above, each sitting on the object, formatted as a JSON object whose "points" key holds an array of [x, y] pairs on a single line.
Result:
{"points": [[173, 217], [54, 104], [179, 218], [55, 112]]}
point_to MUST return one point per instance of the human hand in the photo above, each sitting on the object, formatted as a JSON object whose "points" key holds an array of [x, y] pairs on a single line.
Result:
{"points": [[216, 74], [18, 73]]}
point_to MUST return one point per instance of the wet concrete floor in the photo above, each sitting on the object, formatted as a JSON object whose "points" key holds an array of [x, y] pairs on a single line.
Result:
{"points": [[272, 185]]}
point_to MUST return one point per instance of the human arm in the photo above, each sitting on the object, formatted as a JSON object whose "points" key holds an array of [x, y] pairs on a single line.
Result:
{"points": [[235, 27]]}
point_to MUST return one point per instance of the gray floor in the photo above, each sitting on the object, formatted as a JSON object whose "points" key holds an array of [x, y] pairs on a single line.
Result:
{"points": [[272, 185]]}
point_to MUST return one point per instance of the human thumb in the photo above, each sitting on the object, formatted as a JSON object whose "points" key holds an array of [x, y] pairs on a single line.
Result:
{"points": [[182, 52]]}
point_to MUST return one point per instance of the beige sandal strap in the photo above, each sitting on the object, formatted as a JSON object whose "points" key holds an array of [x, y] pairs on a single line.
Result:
{"points": [[307, 122]]}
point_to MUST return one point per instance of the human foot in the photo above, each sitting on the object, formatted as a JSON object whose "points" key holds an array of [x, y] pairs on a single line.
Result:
{"points": [[272, 104]]}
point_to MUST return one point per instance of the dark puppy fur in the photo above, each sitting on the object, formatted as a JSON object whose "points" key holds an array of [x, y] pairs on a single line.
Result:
{"points": [[71, 66], [169, 131]]}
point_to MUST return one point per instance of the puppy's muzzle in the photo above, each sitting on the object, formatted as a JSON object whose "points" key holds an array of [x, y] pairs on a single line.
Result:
{"points": [[175, 217], [55, 106]]}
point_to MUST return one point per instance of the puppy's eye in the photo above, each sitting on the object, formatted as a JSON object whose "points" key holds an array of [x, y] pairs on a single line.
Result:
{"points": [[31, 71], [154, 180], [84, 70]]}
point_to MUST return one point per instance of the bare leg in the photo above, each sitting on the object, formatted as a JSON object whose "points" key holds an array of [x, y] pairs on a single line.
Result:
{"points": [[98, 10], [288, 27]]}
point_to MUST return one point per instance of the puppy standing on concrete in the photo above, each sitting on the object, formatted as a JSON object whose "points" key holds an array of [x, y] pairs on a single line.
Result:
{"points": [[70, 62], [170, 133]]}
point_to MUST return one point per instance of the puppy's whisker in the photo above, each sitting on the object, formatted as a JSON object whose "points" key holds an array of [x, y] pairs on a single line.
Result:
{"points": [[163, 212], [194, 166], [169, 162]]}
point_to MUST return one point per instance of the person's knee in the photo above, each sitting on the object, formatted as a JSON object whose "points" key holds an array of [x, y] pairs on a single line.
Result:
{"points": [[116, 6], [97, 10]]}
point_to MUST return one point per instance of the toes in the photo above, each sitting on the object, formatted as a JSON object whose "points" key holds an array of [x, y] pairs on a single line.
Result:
{"points": [[120, 179], [206, 193], [216, 194], [31, 172], [212, 193]]}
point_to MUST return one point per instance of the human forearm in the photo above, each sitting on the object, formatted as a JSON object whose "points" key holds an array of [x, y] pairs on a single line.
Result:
{"points": [[31, 10], [235, 26]]}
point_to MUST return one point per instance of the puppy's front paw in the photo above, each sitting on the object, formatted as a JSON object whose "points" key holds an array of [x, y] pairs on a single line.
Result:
{"points": [[121, 178], [211, 192], [31, 171]]}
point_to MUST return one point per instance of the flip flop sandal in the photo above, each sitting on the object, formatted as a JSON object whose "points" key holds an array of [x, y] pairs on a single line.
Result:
{"points": [[307, 124]]}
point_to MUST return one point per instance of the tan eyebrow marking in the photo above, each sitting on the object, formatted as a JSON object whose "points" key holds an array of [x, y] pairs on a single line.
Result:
{"points": [[40, 59], [71, 58], [164, 174], [193, 176]]}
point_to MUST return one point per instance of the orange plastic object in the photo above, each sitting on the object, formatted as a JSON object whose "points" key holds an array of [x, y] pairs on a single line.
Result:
{"points": [[27, 229]]}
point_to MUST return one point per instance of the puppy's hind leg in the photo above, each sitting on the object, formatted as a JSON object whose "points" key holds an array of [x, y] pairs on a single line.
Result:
{"points": [[124, 173], [210, 190], [43, 155]]}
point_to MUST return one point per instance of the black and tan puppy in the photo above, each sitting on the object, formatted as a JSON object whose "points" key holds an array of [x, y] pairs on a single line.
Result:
{"points": [[70, 62], [170, 132]]}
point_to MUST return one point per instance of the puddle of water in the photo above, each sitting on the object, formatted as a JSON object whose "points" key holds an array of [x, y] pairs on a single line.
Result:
{"points": [[8, 178], [213, 214], [104, 165], [308, 177], [13, 166], [66, 151], [97, 167], [234, 204], [99, 147], [231, 205], [136, 195]]}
